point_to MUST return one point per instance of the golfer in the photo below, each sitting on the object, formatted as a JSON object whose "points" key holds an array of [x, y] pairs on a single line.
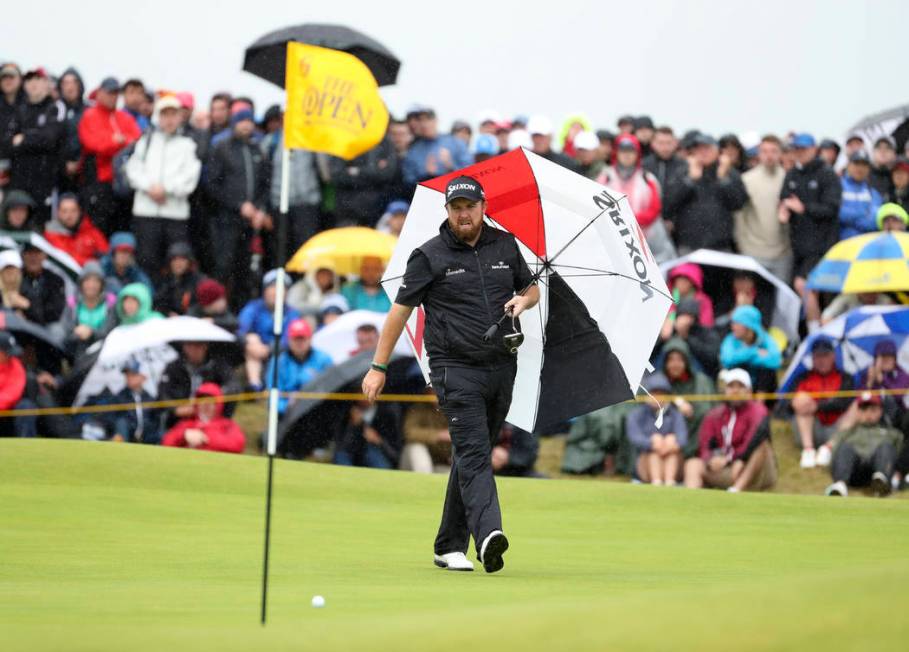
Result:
{"points": [[466, 278]]}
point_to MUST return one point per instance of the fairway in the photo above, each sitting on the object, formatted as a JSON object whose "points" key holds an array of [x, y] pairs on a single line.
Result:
{"points": [[127, 547]]}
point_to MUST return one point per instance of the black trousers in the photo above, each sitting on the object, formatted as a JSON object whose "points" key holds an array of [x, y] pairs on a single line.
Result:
{"points": [[153, 237], [475, 402], [230, 237], [848, 466]]}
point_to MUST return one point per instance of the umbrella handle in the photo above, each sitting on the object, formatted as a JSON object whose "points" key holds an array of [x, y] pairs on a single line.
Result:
{"points": [[491, 331]]}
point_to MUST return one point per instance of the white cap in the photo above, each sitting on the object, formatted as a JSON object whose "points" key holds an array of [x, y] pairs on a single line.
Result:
{"points": [[519, 138], [167, 102], [539, 124], [586, 140], [737, 375], [10, 258]]}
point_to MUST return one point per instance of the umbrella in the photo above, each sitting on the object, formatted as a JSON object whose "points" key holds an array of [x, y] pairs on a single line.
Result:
{"points": [[884, 123], [855, 335], [148, 343], [343, 249], [311, 422], [339, 338], [786, 304], [602, 297], [29, 330], [58, 261], [873, 262], [267, 57]]}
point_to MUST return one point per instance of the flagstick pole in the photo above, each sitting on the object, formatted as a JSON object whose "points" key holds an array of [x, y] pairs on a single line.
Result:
{"points": [[272, 433]]}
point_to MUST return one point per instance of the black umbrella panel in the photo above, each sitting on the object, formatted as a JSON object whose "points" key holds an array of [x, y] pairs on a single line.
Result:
{"points": [[267, 57]]}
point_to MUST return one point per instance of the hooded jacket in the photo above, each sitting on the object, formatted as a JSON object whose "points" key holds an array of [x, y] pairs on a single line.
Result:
{"points": [[695, 274], [361, 185], [294, 374], [96, 136], [169, 161], [71, 149], [858, 210], [140, 292], [763, 353], [693, 382], [17, 198], [100, 319], [641, 424], [47, 295], [818, 187], [116, 282], [12, 382], [702, 210], [84, 242], [36, 160], [641, 188], [224, 435]]}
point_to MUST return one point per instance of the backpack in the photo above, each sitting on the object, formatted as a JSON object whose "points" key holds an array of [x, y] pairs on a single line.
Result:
{"points": [[120, 183]]}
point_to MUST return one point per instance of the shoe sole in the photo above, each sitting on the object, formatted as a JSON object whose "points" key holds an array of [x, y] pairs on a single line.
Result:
{"points": [[492, 556], [880, 487]]}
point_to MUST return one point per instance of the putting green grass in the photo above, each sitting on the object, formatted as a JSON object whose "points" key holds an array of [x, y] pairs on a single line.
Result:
{"points": [[116, 547]]}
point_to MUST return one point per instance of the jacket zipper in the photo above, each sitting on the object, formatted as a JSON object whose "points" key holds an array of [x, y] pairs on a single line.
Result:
{"points": [[476, 254], [163, 148]]}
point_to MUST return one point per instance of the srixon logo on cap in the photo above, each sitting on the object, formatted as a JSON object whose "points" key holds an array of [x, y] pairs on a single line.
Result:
{"points": [[463, 186]]}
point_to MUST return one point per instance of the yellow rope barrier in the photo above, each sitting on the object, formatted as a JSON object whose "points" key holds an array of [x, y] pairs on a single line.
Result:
{"points": [[393, 398]]}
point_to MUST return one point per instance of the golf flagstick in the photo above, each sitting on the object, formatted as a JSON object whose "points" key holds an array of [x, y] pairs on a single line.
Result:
{"points": [[271, 438]]}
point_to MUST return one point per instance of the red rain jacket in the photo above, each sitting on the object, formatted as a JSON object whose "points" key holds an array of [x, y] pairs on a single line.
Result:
{"points": [[96, 134], [86, 243], [12, 383], [223, 434]]}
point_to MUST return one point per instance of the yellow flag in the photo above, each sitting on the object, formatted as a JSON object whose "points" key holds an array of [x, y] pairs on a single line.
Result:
{"points": [[333, 103]]}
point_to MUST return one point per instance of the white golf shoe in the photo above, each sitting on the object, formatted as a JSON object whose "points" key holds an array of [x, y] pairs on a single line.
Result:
{"points": [[809, 459], [453, 561], [838, 488], [494, 546], [823, 456]]}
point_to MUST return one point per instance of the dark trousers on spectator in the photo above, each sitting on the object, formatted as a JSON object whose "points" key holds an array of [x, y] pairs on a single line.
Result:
{"points": [[475, 401], [848, 466], [108, 212], [153, 236], [229, 240], [25, 426]]}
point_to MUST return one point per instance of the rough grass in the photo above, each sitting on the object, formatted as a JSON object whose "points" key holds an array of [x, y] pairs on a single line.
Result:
{"points": [[111, 547]]}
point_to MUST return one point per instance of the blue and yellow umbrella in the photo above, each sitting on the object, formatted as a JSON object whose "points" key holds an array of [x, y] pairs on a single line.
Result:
{"points": [[874, 262]]}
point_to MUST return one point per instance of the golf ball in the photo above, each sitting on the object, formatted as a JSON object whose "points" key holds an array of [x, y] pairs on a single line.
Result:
{"points": [[318, 601]]}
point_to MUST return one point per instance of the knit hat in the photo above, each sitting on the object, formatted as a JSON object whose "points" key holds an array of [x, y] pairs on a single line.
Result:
{"points": [[123, 240], [885, 347], [209, 291], [241, 115], [891, 209], [179, 250], [91, 268]]}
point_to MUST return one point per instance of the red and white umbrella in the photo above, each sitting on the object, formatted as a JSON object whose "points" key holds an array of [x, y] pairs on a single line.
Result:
{"points": [[603, 299]]}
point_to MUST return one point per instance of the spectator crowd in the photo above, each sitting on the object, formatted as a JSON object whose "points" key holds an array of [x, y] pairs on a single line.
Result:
{"points": [[169, 208]]}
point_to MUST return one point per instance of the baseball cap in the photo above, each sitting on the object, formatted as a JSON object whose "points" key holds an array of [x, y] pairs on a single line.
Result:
{"points": [[109, 84], [458, 125], [829, 143], [657, 382], [803, 141], [39, 72], [398, 206], [902, 163], [626, 142], [334, 304], [822, 346], [299, 328], [241, 115], [643, 122], [464, 187], [703, 139], [168, 102], [586, 140], [885, 347], [123, 240], [854, 136], [10, 258], [605, 134], [486, 144], [7, 343], [131, 365], [419, 109], [539, 124], [888, 140], [737, 375], [859, 156], [625, 120], [10, 70], [270, 278], [187, 99], [869, 398]]}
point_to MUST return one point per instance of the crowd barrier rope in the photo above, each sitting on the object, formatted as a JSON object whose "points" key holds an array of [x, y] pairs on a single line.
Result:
{"points": [[246, 397]]}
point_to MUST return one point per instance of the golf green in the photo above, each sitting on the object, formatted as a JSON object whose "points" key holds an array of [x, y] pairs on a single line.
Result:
{"points": [[118, 547]]}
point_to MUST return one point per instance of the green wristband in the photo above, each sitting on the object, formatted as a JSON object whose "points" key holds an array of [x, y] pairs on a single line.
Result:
{"points": [[379, 367]]}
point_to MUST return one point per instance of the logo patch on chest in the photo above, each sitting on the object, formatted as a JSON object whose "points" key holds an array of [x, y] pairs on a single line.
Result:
{"points": [[452, 272], [499, 265]]}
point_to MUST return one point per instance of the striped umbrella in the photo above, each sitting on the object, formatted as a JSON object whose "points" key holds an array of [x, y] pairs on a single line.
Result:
{"points": [[874, 262]]}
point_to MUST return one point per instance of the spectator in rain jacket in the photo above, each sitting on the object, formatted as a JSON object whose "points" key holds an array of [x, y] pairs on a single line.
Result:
{"points": [[134, 305], [185, 375], [11, 97], [658, 448], [16, 218], [627, 177], [299, 364], [662, 162], [685, 380], [164, 171], [703, 199], [33, 139], [892, 217], [750, 347], [860, 201], [430, 154], [899, 194], [686, 281], [72, 231], [361, 185], [208, 429], [174, 293], [71, 90], [119, 265], [43, 288], [89, 315], [12, 390]]}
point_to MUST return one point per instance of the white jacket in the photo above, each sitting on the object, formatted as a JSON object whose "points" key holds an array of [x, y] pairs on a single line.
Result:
{"points": [[169, 161]]}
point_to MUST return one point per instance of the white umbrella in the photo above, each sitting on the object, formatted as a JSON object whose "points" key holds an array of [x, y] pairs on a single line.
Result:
{"points": [[786, 305], [124, 341], [339, 338]]}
